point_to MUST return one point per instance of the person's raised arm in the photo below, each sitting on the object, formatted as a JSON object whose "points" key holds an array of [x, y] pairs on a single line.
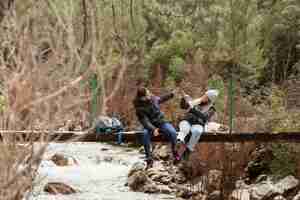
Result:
{"points": [[165, 97], [200, 100]]}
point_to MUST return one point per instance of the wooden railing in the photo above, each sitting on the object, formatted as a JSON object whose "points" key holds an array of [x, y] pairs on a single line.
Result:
{"points": [[91, 136]]}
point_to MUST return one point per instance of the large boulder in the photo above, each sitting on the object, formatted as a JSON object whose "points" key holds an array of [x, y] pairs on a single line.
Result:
{"points": [[138, 166], [263, 190], [160, 174], [287, 184], [261, 158], [59, 188], [138, 180], [268, 189]]}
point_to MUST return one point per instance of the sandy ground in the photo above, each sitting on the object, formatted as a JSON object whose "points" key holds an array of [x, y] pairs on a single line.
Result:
{"points": [[101, 173]]}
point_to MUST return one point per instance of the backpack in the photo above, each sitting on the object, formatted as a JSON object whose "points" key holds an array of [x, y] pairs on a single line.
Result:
{"points": [[196, 116], [105, 124]]}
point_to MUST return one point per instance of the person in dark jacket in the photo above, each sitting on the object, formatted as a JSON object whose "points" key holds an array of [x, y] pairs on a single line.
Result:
{"points": [[148, 112], [199, 112]]}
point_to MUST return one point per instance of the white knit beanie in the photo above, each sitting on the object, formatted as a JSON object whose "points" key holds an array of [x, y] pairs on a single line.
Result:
{"points": [[212, 95]]}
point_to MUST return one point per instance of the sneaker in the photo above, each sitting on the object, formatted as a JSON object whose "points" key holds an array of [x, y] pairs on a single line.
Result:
{"points": [[149, 163]]}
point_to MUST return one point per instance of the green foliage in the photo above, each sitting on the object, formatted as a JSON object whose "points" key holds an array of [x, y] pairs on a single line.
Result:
{"points": [[284, 162], [280, 34], [171, 54], [162, 51], [176, 68], [216, 82]]}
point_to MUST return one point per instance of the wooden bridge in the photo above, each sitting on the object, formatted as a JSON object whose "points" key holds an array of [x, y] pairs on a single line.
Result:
{"points": [[135, 136]]}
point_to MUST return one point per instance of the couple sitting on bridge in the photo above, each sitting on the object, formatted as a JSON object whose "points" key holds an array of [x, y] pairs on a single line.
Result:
{"points": [[198, 113]]}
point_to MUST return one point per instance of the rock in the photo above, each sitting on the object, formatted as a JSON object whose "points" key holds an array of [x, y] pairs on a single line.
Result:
{"points": [[165, 180], [104, 149], [141, 150], [286, 184], [159, 175], [183, 192], [150, 188], [262, 190], [60, 160], [279, 198], [59, 188], [137, 181], [164, 189], [138, 166], [261, 178], [215, 195], [240, 184], [260, 162], [214, 180], [200, 196], [179, 178], [158, 169], [162, 152], [297, 197], [108, 159], [240, 194], [267, 189]]}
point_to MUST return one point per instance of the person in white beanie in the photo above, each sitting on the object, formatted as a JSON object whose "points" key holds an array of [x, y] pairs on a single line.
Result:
{"points": [[199, 112]]}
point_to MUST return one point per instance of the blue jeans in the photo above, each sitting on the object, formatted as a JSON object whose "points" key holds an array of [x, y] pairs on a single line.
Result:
{"points": [[167, 130]]}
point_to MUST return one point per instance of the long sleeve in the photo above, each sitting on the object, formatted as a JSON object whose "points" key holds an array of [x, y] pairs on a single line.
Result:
{"points": [[195, 102], [144, 120], [165, 97]]}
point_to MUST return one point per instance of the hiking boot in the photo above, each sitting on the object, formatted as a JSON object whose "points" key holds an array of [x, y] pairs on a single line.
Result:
{"points": [[149, 163]]}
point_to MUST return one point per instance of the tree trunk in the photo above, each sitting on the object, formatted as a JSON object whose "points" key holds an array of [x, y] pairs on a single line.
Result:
{"points": [[5, 6]]}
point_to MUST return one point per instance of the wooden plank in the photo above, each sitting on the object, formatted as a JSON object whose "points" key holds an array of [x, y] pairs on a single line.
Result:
{"points": [[293, 89], [291, 137], [294, 94]]}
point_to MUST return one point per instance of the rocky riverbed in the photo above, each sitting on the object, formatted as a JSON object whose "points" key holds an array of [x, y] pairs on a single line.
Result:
{"points": [[94, 171]]}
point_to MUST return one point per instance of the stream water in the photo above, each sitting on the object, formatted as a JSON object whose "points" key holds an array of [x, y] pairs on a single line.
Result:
{"points": [[100, 174]]}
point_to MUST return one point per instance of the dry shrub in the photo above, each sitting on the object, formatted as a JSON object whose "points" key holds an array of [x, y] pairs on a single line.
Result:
{"points": [[48, 52], [43, 81]]}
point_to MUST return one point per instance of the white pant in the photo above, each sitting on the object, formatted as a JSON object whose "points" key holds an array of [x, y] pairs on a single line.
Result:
{"points": [[185, 128]]}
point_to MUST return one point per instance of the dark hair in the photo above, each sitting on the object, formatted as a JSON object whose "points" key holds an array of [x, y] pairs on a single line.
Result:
{"points": [[183, 103], [141, 92]]}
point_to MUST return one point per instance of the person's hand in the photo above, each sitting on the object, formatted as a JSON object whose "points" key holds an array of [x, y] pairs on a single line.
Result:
{"points": [[174, 92], [156, 132]]}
